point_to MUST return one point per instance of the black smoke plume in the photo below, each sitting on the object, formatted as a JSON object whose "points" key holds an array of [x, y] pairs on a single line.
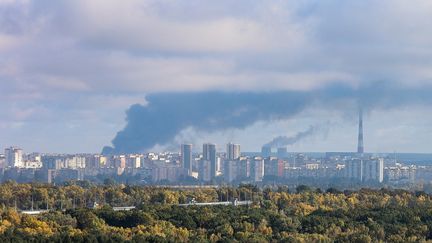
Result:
{"points": [[283, 141], [166, 114]]}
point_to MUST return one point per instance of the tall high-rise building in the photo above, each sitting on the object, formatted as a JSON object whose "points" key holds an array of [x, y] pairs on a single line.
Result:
{"points": [[354, 169], [266, 151], [243, 168], [204, 171], [360, 146], [230, 170], [120, 161], [209, 154], [76, 162], [233, 151], [282, 152], [2, 161], [257, 169], [101, 161], [365, 170], [274, 167], [51, 162], [373, 170], [133, 161], [96, 161], [14, 157], [186, 157]]}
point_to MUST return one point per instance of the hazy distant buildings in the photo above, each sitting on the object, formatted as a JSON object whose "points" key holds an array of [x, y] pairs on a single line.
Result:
{"points": [[133, 161], [32, 161], [274, 167], [101, 161], [282, 152], [186, 157], [14, 157], [365, 170], [354, 169], [231, 164], [205, 170], [176, 167], [31, 164], [66, 175], [2, 161], [233, 151], [120, 161], [97, 161], [406, 174], [266, 151], [75, 162], [209, 154], [230, 170], [34, 157], [243, 168], [166, 172], [257, 169], [373, 170], [52, 162]]}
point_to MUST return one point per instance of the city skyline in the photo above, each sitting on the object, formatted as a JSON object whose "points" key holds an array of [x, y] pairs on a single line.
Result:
{"points": [[213, 167], [77, 76]]}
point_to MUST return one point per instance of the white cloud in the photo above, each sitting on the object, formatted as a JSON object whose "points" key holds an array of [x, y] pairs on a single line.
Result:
{"points": [[144, 25], [8, 41]]}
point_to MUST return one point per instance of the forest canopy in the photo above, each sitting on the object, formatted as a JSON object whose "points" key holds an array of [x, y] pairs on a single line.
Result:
{"points": [[82, 212]]}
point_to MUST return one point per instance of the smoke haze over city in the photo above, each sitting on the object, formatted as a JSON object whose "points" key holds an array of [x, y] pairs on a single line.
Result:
{"points": [[135, 76]]}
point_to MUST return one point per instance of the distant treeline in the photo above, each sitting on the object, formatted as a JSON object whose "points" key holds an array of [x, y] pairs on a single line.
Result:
{"points": [[82, 212]]}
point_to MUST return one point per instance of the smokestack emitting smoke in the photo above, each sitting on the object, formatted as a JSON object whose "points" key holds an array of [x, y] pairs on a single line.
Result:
{"points": [[167, 114]]}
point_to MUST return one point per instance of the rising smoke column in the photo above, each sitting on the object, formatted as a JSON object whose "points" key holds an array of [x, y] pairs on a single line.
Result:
{"points": [[166, 114], [282, 141]]}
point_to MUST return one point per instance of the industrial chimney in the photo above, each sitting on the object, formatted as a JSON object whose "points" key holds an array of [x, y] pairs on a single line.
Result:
{"points": [[360, 148]]}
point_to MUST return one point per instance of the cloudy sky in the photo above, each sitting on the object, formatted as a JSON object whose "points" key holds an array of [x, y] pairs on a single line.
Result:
{"points": [[69, 70]]}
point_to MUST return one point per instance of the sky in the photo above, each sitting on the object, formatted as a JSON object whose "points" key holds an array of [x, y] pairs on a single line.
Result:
{"points": [[71, 72]]}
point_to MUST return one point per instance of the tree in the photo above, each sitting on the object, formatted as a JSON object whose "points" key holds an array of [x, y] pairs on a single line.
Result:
{"points": [[303, 188]]}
